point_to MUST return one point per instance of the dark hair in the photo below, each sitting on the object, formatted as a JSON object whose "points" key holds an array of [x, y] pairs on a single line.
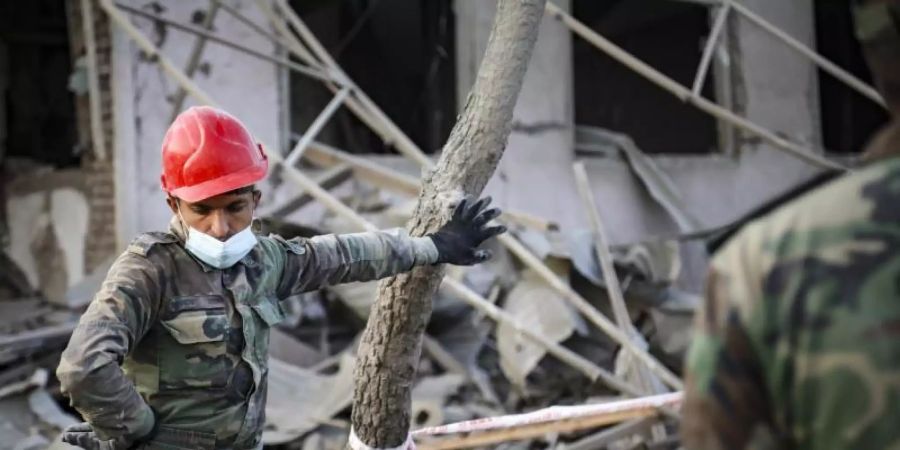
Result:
{"points": [[238, 191], [242, 190]]}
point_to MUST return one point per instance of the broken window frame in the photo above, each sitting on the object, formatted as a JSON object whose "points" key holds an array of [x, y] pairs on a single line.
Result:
{"points": [[723, 113], [713, 58]]}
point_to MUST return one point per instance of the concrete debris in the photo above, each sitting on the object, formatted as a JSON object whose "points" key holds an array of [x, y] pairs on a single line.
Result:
{"points": [[654, 179], [33, 442], [470, 366], [326, 438], [359, 297], [536, 307], [321, 397], [49, 230], [48, 411], [430, 396], [38, 379], [80, 294], [30, 418], [284, 347], [480, 368]]}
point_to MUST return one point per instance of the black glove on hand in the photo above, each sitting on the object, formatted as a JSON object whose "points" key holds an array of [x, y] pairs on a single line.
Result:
{"points": [[458, 240], [82, 435]]}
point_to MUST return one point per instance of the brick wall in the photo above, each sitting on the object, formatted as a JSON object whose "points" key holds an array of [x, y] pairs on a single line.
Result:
{"points": [[100, 242]]}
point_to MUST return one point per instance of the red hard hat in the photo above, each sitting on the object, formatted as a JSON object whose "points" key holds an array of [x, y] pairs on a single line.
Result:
{"points": [[207, 152]]}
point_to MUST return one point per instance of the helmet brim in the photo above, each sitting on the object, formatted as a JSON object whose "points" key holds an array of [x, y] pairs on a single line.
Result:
{"points": [[221, 185]]}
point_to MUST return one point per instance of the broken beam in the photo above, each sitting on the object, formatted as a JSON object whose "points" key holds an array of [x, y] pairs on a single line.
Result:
{"points": [[684, 94], [332, 177], [341, 209]]}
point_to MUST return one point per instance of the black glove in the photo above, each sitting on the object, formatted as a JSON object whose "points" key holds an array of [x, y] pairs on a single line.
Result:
{"points": [[82, 435], [458, 240]]}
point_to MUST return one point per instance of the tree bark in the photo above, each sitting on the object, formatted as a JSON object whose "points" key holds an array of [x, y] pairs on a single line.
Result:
{"points": [[392, 342]]}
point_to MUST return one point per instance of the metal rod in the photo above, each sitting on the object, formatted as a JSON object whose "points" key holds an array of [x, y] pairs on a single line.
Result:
{"points": [[398, 138], [589, 311], [153, 52], [98, 139], [834, 70], [612, 434], [401, 183], [285, 34], [516, 247], [823, 63], [644, 378], [308, 71], [601, 250], [342, 210], [246, 21], [684, 94], [293, 44], [328, 179], [711, 43], [591, 370], [316, 127], [178, 75], [194, 59]]}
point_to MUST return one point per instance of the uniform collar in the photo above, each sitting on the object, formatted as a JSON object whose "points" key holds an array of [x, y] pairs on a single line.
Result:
{"points": [[176, 227]]}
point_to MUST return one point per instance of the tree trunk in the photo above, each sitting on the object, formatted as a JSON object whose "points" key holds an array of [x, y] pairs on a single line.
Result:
{"points": [[391, 344]]}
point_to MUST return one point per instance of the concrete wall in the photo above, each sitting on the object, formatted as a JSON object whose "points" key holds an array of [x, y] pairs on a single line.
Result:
{"points": [[49, 218], [4, 83], [101, 240], [775, 88], [243, 85], [62, 222]]}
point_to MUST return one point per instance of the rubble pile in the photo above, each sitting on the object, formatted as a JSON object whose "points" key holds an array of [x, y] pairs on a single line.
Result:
{"points": [[471, 366], [33, 333]]}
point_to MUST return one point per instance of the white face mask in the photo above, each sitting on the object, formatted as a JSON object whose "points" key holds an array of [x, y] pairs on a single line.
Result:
{"points": [[216, 253]]}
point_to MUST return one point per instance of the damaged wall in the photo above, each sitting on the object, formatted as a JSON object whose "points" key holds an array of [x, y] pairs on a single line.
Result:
{"points": [[775, 88], [243, 85], [62, 222], [101, 241], [48, 225]]}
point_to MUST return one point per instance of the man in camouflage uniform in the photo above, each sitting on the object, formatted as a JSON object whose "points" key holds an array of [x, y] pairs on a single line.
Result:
{"points": [[172, 352], [798, 341]]}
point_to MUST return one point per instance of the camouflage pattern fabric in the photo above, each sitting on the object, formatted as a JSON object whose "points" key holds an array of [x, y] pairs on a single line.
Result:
{"points": [[170, 333], [798, 341]]}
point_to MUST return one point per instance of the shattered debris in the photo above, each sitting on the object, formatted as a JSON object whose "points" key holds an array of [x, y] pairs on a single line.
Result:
{"points": [[321, 397], [538, 307], [471, 367]]}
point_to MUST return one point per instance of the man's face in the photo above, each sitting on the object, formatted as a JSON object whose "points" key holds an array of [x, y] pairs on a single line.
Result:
{"points": [[221, 216]]}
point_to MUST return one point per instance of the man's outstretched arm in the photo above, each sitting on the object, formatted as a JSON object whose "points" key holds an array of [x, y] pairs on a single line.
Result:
{"points": [[333, 259]]}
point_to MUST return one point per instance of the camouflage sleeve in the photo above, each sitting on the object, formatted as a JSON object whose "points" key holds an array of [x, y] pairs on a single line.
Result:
{"points": [[89, 371], [726, 403], [322, 261]]}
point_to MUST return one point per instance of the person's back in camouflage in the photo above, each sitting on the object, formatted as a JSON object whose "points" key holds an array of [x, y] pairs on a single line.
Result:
{"points": [[798, 340]]}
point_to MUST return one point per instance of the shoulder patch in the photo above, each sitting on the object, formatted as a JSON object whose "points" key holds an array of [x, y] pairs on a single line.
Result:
{"points": [[295, 245], [142, 244]]}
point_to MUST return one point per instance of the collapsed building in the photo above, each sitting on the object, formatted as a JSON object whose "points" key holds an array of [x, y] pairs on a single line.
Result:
{"points": [[686, 115]]}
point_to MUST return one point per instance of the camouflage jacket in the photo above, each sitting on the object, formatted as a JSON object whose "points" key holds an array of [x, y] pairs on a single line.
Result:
{"points": [[170, 333], [798, 341]]}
